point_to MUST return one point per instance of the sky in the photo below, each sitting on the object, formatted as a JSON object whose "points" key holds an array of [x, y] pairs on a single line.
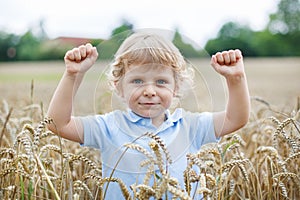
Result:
{"points": [[197, 20]]}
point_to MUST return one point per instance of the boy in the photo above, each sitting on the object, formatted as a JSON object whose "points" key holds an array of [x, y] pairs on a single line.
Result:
{"points": [[147, 73]]}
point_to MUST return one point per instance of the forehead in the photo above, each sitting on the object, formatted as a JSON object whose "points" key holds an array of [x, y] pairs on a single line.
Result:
{"points": [[155, 69]]}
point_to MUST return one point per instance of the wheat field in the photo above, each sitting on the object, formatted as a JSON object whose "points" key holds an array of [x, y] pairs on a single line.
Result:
{"points": [[260, 161]]}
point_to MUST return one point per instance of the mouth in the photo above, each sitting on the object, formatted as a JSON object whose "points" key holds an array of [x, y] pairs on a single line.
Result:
{"points": [[148, 104]]}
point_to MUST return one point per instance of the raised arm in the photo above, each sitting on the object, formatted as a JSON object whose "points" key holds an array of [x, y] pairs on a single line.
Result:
{"points": [[230, 64], [77, 61]]}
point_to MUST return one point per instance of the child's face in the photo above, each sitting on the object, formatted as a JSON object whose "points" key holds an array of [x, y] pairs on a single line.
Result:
{"points": [[148, 89]]}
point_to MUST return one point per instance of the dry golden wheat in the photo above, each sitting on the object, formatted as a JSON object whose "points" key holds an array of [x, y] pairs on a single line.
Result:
{"points": [[260, 161]]}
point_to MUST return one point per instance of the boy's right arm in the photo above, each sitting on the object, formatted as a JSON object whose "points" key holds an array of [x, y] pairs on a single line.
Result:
{"points": [[77, 61]]}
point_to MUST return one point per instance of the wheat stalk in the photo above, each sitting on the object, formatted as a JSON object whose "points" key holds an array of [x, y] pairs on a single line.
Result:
{"points": [[40, 129], [292, 157], [5, 124], [162, 145], [160, 163], [143, 191], [90, 163], [78, 183], [142, 150], [178, 193], [150, 172], [47, 177]]}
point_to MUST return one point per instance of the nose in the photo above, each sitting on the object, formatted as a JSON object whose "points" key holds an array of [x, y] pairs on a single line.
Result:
{"points": [[149, 91]]}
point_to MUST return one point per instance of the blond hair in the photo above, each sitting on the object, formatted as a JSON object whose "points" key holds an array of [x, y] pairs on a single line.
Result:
{"points": [[146, 48]]}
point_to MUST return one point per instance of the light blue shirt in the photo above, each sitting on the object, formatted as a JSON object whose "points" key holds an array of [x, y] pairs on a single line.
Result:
{"points": [[183, 132]]}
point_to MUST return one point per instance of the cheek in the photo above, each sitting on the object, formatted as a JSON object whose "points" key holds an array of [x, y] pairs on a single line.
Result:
{"points": [[167, 96], [171, 90], [131, 94]]}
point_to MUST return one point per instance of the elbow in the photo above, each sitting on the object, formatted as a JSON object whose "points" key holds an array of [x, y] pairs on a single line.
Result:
{"points": [[240, 121], [234, 126], [52, 128], [244, 116], [243, 121]]}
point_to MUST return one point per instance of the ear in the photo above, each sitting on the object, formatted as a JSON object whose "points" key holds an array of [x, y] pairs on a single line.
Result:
{"points": [[119, 89], [176, 90]]}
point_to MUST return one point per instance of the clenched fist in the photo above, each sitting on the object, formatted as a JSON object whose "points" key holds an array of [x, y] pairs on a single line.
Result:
{"points": [[228, 63], [80, 59]]}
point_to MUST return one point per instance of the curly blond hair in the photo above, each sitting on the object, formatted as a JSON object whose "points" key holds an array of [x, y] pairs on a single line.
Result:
{"points": [[147, 48]]}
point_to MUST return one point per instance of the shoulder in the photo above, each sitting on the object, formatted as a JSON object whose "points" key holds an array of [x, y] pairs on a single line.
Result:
{"points": [[103, 118], [188, 115], [199, 126], [192, 119]]}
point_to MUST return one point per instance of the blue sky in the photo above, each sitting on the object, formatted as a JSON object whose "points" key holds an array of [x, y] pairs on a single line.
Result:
{"points": [[197, 20]]}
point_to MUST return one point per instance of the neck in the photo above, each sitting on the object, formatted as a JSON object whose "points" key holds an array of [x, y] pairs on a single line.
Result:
{"points": [[157, 121]]}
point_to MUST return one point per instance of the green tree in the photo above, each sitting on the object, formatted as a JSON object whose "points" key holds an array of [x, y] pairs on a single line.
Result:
{"points": [[267, 44], [284, 24], [108, 48], [232, 36], [8, 44], [286, 19], [186, 49], [281, 37], [28, 47], [126, 26]]}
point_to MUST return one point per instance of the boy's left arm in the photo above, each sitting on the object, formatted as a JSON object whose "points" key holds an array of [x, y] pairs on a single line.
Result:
{"points": [[230, 64]]}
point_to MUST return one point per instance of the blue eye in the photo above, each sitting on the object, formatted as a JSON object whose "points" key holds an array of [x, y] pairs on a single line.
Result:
{"points": [[161, 82], [137, 81]]}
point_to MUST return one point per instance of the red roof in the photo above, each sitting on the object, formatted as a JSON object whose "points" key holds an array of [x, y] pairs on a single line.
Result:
{"points": [[73, 40]]}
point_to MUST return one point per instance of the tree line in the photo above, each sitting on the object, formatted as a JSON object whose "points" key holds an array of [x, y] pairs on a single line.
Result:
{"points": [[280, 37]]}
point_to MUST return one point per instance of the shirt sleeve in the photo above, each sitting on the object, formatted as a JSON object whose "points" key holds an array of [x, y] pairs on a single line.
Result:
{"points": [[205, 129], [93, 130]]}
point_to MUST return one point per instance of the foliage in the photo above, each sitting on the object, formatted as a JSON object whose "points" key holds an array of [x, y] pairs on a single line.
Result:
{"points": [[126, 26], [286, 19], [109, 47], [186, 49], [8, 43], [280, 37], [233, 36]]}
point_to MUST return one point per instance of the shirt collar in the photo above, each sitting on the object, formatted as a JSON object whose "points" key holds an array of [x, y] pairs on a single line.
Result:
{"points": [[174, 117], [132, 116]]}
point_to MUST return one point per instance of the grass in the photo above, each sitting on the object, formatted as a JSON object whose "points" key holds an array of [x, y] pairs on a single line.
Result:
{"points": [[274, 79], [25, 78]]}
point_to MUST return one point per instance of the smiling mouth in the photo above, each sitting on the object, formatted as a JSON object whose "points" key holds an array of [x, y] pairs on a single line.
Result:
{"points": [[149, 104]]}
